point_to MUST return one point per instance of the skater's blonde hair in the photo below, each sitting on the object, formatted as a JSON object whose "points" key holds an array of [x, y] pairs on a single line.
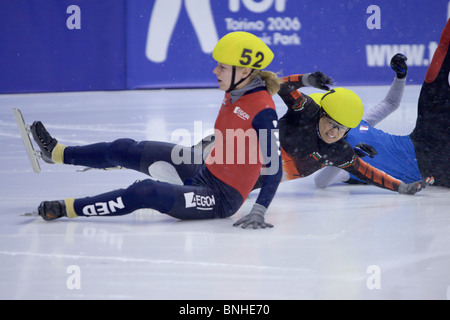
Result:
{"points": [[271, 80]]}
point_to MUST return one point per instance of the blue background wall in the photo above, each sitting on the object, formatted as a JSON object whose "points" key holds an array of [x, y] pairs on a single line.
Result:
{"points": [[38, 52], [118, 44]]}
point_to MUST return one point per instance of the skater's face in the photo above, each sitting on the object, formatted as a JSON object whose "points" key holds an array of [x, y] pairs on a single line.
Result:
{"points": [[224, 74], [331, 131]]}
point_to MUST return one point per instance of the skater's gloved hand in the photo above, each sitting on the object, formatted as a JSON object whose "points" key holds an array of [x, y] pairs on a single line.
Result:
{"points": [[364, 149], [398, 64], [255, 218], [414, 187], [317, 80]]}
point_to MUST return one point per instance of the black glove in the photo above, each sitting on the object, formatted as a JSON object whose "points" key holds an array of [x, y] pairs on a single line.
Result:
{"points": [[414, 187], [255, 218], [317, 80], [364, 149], [398, 64]]}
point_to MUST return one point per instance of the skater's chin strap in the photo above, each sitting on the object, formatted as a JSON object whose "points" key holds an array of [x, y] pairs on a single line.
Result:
{"points": [[233, 75]]}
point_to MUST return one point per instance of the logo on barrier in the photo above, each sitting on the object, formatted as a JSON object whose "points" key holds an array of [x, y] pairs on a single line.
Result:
{"points": [[165, 14], [164, 18], [379, 55], [257, 6]]}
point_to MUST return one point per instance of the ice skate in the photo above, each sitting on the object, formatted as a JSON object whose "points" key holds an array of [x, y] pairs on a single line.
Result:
{"points": [[44, 140], [33, 155], [51, 210]]}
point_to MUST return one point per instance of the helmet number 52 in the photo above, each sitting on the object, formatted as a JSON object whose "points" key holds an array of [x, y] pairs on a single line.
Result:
{"points": [[247, 58]]}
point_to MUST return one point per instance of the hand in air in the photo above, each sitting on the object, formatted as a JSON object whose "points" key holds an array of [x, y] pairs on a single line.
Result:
{"points": [[319, 80], [398, 64]]}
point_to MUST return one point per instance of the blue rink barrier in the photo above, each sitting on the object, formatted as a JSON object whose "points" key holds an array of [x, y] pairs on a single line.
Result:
{"points": [[59, 45]]}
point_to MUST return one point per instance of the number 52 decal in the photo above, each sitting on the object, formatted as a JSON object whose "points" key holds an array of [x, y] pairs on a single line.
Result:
{"points": [[247, 58]]}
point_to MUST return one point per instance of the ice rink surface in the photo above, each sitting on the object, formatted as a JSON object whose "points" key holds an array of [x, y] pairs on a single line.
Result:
{"points": [[343, 242]]}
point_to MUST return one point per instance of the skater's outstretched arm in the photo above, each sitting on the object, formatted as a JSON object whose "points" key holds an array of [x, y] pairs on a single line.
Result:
{"points": [[391, 102]]}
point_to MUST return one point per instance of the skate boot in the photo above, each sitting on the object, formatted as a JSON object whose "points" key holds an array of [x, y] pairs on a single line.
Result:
{"points": [[44, 140], [51, 210]]}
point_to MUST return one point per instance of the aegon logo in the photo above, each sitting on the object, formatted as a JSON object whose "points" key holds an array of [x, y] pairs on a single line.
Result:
{"points": [[241, 113], [102, 208], [201, 202]]}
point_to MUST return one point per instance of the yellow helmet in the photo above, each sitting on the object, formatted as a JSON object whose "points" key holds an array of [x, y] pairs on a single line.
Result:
{"points": [[342, 105], [316, 97], [243, 49]]}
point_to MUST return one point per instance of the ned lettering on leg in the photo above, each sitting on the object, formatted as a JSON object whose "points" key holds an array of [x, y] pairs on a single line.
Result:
{"points": [[102, 208]]}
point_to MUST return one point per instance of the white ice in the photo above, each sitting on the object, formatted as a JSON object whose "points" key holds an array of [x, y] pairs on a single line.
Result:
{"points": [[343, 242]]}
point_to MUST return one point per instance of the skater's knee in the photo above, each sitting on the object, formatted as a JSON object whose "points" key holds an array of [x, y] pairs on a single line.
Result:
{"points": [[152, 194], [118, 152], [120, 146]]}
